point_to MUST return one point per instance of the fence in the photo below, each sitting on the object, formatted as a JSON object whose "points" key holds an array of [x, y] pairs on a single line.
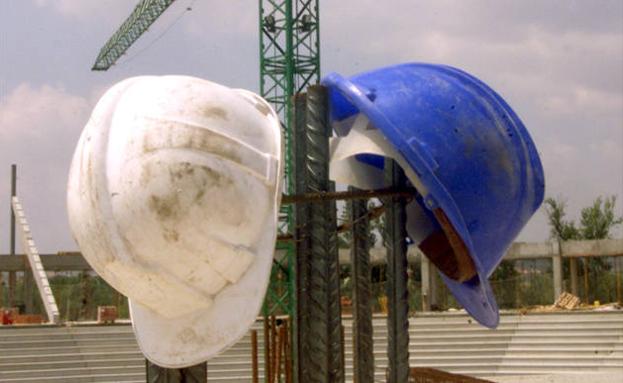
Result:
{"points": [[531, 274]]}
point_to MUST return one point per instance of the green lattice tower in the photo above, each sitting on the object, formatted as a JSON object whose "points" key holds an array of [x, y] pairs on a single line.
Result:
{"points": [[289, 62]]}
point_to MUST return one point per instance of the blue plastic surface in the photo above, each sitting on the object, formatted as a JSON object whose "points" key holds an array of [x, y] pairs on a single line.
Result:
{"points": [[468, 148]]}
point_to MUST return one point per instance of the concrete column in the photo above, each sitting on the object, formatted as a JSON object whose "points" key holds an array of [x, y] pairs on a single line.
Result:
{"points": [[425, 272], [433, 295], [573, 275], [557, 270]]}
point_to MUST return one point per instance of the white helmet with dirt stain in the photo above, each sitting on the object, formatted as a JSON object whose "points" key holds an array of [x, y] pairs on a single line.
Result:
{"points": [[173, 198]]}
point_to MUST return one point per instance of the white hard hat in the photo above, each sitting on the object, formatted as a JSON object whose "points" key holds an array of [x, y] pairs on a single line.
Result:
{"points": [[173, 198]]}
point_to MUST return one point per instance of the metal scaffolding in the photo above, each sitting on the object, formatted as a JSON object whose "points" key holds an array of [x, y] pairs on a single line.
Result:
{"points": [[143, 16], [289, 62]]}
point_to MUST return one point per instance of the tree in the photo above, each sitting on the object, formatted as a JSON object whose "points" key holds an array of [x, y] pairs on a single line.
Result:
{"points": [[560, 228], [596, 222]]}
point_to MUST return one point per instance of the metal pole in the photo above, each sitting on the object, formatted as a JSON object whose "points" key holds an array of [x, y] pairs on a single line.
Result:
{"points": [[267, 359], [254, 367], [287, 351], [301, 217], [274, 368], [318, 306], [12, 275], [396, 284], [363, 347]]}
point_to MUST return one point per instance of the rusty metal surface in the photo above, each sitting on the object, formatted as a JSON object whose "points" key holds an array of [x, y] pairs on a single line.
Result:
{"points": [[363, 347], [396, 282], [351, 194], [254, 358], [267, 351]]}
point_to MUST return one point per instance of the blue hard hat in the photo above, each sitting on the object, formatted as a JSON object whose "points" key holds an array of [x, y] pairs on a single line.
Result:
{"points": [[479, 176]]}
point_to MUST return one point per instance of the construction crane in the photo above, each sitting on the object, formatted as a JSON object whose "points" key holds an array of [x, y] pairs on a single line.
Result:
{"points": [[289, 63], [144, 15]]}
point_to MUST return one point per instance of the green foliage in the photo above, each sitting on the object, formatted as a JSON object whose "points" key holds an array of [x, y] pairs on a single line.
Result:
{"points": [[507, 276], [77, 296], [597, 220], [560, 228]]}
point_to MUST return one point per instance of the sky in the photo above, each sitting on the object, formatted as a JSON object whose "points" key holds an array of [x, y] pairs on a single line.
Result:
{"points": [[559, 64]]}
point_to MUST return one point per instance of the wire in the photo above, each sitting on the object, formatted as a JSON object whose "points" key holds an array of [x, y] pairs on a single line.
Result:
{"points": [[187, 9]]}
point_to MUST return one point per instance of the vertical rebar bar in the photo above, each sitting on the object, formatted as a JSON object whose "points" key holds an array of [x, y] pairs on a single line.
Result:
{"points": [[273, 349], [301, 214], [254, 366], [280, 361], [318, 275], [363, 356], [287, 351], [396, 284], [267, 360]]}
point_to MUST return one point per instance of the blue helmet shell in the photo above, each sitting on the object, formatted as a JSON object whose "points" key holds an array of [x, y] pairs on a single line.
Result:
{"points": [[481, 171]]}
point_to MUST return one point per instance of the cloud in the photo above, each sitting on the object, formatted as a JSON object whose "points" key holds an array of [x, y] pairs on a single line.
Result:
{"points": [[39, 129], [36, 113], [557, 63], [89, 10]]}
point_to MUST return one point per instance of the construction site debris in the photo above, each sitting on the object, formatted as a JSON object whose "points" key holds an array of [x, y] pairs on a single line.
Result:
{"points": [[8, 315], [28, 319], [106, 314], [567, 301]]}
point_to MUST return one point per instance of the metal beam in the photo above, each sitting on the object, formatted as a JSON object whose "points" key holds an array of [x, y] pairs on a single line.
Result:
{"points": [[600, 247], [51, 262], [143, 16], [568, 249], [351, 194]]}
